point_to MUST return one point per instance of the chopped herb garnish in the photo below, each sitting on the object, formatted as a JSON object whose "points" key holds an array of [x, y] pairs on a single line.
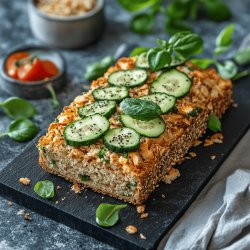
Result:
{"points": [[85, 177], [102, 153], [195, 112]]}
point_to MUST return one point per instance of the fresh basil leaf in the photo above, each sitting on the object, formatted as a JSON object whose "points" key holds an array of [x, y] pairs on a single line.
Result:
{"points": [[177, 9], [97, 69], [107, 215], [174, 26], [142, 23], [164, 44], [140, 109], [214, 123], [137, 51], [241, 75], [186, 43], [137, 5], [45, 189], [18, 108], [242, 57], [227, 69], [21, 130], [203, 63], [158, 59], [224, 39], [217, 10]]}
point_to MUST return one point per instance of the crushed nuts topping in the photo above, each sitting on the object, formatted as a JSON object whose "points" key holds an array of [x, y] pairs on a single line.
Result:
{"points": [[24, 181], [144, 215], [76, 188], [142, 236], [192, 154], [140, 209], [131, 229]]}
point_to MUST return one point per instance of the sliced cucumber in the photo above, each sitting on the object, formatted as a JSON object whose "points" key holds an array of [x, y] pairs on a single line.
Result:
{"points": [[121, 140], [142, 62], [151, 128], [165, 102], [110, 93], [104, 108], [128, 78], [86, 131], [172, 82]]}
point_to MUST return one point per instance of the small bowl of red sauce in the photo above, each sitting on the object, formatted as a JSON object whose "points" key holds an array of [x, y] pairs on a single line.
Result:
{"points": [[30, 71]]}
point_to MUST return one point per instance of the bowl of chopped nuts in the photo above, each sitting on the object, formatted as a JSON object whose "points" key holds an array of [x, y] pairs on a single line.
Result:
{"points": [[67, 24]]}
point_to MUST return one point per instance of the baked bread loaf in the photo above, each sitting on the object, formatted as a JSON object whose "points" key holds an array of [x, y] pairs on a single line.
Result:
{"points": [[133, 176]]}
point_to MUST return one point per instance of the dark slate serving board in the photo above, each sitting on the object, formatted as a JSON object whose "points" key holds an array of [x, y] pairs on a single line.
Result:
{"points": [[78, 211]]}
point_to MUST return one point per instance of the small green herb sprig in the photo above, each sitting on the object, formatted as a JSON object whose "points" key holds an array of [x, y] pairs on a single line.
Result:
{"points": [[21, 129], [176, 13], [107, 215], [228, 68]]}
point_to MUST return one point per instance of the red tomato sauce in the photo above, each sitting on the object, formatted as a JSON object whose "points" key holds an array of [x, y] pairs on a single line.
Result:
{"points": [[29, 68]]}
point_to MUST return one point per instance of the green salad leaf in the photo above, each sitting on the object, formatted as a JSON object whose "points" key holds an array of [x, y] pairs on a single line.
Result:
{"points": [[45, 189], [214, 123], [140, 109], [18, 108], [138, 50], [242, 56], [137, 5], [21, 130], [203, 63], [142, 23], [107, 215], [228, 69]]}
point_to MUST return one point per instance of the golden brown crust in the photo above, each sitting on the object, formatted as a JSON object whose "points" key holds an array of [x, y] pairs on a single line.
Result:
{"points": [[156, 156]]}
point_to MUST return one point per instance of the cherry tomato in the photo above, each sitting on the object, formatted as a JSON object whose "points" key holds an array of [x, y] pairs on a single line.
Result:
{"points": [[32, 71], [11, 68], [50, 68]]}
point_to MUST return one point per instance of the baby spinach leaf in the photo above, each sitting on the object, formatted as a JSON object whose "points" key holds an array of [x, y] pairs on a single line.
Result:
{"points": [[174, 26], [107, 215], [137, 51], [140, 109], [242, 57], [137, 5], [203, 63], [45, 189], [214, 123], [18, 108], [97, 69], [241, 75], [217, 10], [228, 69], [142, 23], [158, 58], [21, 130], [224, 39]]}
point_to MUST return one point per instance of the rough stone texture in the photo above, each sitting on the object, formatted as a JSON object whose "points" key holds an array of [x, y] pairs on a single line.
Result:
{"points": [[42, 233]]}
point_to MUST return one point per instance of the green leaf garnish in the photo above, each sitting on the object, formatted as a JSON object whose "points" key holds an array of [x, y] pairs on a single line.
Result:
{"points": [[102, 153], [142, 23], [45, 189], [228, 69], [242, 56], [203, 63], [140, 109], [137, 51], [214, 123], [21, 130], [107, 215], [18, 108]]}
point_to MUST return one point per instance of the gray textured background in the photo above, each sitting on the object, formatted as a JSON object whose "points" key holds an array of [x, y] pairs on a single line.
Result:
{"points": [[42, 233]]}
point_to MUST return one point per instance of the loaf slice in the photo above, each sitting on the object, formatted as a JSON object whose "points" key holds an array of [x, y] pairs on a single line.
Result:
{"points": [[132, 177]]}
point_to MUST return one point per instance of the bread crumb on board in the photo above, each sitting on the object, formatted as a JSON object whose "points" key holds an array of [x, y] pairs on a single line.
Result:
{"points": [[10, 203], [171, 176], [140, 209], [76, 188], [192, 154], [27, 216], [142, 236], [131, 229], [144, 215], [21, 211], [213, 157], [25, 181]]}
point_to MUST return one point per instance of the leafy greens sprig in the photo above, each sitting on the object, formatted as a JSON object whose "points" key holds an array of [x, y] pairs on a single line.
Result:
{"points": [[176, 13]]}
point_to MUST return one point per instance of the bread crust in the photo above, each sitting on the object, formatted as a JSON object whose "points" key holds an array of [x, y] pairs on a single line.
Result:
{"points": [[132, 179]]}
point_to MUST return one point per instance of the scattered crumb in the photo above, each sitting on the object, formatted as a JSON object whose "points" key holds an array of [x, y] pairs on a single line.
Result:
{"points": [[235, 105], [10, 203], [213, 157], [58, 187], [188, 157], [142, 236], [192, 154], [24, 181], [76, 188], [27, 216], [102, 197], [171, 176], [144, 215], [21, 211], [63, 198], [131, 229], [208, 142], [140, 209], [217, 138], [197, 142], [163, 196], [56, 202]]}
